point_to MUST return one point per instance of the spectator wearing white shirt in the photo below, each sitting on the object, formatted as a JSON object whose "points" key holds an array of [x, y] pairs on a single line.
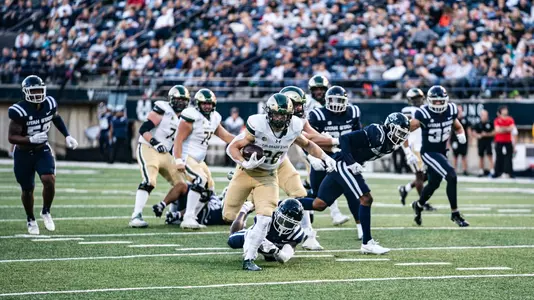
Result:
{"points": [[22, 40], [98, 48], [65, 10], [396, 72], [164, 24], [141, 61]]}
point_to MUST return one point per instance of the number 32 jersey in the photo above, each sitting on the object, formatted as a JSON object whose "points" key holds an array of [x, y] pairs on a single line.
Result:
{"points": [[274, 148], [196, 144], [436, 128], [165, 132]]}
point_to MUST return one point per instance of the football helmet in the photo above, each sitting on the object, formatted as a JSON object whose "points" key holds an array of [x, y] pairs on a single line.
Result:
{"points": [[437, 99], [297, 97], [203, 97], [336, 99], [34, 89], [279, 111], [318, 85], [287, 216], [179, 98], [415, 97], [398, 128]]}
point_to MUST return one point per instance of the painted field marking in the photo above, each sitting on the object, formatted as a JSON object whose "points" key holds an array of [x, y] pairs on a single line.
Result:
{"points": [[273, 283], [104, 242], [200, 249], [153, 245], [57, 239], [514, 210], [483, 268], [437, 263], [78, 205], [361, 259], [314, 255]]}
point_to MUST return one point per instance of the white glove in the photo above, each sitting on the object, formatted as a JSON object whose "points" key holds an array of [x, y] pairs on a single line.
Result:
{"points": [[180, 164], [284, 254], [411, 159], [335, 141], [355, 168], [461, 138], [71, 142], [247, 207], [316, 163], [330, 163], [253, 162], [39, 138]]}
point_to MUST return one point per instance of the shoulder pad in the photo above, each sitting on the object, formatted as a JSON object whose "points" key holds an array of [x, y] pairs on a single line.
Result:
{"points": [[453, 110], [189, 114], [317, 114], [297, 125], [217, 118], [375, 134], [422, 113], [355, 111], [160, 107], [17, 112], [256, 123], [52, 104]]}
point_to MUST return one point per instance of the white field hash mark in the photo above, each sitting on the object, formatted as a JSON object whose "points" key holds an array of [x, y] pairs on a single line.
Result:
{"points": [[104, 242], [437, 263], [153, 245], [484, 268], [361, 259], [273, 283], [56, 239]]}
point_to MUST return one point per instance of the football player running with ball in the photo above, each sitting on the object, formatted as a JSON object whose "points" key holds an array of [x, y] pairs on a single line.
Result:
{"points": [[28, 131], [153, 152], [436, 120], [273, 132]]}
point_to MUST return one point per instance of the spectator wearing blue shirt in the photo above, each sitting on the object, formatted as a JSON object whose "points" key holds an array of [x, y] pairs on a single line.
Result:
{"points": [[118, 134]]}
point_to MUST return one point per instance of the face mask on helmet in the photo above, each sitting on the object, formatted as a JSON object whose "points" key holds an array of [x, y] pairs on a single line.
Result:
{"points": [[284, 224], [34, 94], [178, 104], [336, 103], [318, 93], [437, 99], [206, 107], [279, 120], [397, 135], [298, 109]]}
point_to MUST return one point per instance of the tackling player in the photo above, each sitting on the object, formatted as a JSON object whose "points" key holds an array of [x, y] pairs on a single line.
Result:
{"points": [[28, 131], [274, 132], [358, 147], [153, 152], [197, 126], [283, 235], [436, 120]]}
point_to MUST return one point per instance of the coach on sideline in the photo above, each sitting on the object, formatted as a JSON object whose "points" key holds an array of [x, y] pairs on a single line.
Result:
{"points": [[504, 148]]}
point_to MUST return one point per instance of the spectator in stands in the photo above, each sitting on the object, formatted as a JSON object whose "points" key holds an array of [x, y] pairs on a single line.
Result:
{"points": [[118, 134], [484, 132], [22, 40], [504, 147]]}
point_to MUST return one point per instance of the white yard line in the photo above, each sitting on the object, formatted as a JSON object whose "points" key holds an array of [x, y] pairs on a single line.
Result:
{"points": [[273, 283], [104, 242], [57, 239], [153, 245], [435, 215], [437, 263], [484, 268], [202, 249], [77, 205], [313, 255], [361, 259], [518, 210]]}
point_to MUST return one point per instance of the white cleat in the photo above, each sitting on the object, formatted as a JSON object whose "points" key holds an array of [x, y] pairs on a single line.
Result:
{"points": [[311, 242], [48, 222], [138, 222], [339, 219], [33, 228], [191, 223], [373, 247]]}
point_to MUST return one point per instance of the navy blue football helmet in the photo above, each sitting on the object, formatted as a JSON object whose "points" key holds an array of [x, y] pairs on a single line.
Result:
{"points": [[287, 216], [437, 99], [34, 89]]}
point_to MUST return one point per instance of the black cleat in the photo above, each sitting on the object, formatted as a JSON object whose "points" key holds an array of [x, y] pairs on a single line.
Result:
{"points": [[429, 207], [417, 210], [158, 210], [249, 265], [459, 220], [403, 194], [173, 218]]}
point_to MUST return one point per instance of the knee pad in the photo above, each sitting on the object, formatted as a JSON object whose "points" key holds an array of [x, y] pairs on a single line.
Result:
{"points": [[145, 187], [205, 194]]}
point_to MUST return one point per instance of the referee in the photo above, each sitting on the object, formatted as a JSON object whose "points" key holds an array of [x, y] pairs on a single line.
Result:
{"points": [[484, 131], [504, 126]]}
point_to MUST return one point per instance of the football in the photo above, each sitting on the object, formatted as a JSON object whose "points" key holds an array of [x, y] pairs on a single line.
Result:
{"points": [[251, 148]]}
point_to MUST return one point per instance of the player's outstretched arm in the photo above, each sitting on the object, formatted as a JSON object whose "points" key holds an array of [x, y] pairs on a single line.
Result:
{"points": [[184, 130], [321, 140], [222, 133], [458, 128], [15, 136], [316, 151], [239, 222]]}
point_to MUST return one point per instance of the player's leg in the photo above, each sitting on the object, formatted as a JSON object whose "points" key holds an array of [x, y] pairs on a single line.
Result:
{"points": [[148, 161], [489, 155], [434, 181], [199, 188], [176, 179], [481, 154], [24, 169], [238, 190], [46, 168]]}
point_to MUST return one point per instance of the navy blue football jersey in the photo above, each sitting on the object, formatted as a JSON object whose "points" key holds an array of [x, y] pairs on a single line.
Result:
{"points": [[364, 145], [436, 128], [34, 120], [335, 124]]}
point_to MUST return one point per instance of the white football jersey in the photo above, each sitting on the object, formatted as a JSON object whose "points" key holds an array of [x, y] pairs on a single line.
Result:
{"points": [[165, 132], [196, 144], [414, 139], [311, 104], [274, 148]]}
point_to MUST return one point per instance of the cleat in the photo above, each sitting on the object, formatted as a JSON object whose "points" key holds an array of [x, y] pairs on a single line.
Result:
{"points": [[191, 223], [249, 265], [429, 207], [339, 219], [138, 222], [310, 241], [459, 220], [48, 222], [306, 184], [172, 218], [33, 228], [158, 210], [417, 210], [372, 247], [403, 194]]}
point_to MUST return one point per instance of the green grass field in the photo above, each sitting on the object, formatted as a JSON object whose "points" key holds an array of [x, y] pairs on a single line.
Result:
{"points": [[94, 205]]}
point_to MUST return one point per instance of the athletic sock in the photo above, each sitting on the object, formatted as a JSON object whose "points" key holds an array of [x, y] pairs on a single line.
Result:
{"points": [[193, 200], [162, 204], [334, 209], [307, 203], [306, 223], [452, 195], [255, 236], [45, 210], [365, 219], [141, 197], [408, 187]]}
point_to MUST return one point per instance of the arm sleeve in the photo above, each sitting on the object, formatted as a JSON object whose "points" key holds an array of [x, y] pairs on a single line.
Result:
{"points": [[60, 125], [147, 126], [351, 141]]}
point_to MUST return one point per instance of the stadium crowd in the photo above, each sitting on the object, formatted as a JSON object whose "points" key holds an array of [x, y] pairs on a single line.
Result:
{"points": [[475, 48]]}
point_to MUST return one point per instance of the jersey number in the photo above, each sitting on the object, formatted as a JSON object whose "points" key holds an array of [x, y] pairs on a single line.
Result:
{"points": [[32, 130], [274, 158], [207, 138], [438, 135], [171, 136]]}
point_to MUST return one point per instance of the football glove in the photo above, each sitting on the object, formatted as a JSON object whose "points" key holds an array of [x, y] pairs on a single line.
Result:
{"points": [[253, 162], [158, 145], [355, 168], [330, 163], [411, 159], [180, 164], [316, 164], [284, 254], [71, 142], [461, 138], [39, 138]]}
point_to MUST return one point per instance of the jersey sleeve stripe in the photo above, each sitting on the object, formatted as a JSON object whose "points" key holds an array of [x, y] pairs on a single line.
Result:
{"points": [[357, 111], [382, 135], [323, 118], [50, 105], [51, 101], [353, 112], [187, 119], [298, 235], [250, 129], [21, 109], [316, 115], [17, 110], [426, 115]]}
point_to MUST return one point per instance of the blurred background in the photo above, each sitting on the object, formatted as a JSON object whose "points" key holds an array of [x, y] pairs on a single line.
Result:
{"points": [[106, 62]]}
